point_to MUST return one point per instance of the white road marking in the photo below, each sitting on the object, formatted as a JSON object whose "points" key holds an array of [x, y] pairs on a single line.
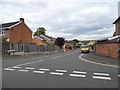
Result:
{"points": [[44, 69], [118, 75], [23, 70], [99, 77], [29, 63], [16, 67], [25, 64], [9, 69], [68, 54], [38, 71], [55, 57], [76, 75], [80, 72], [29, 68], [61, 70], [105, 74], [55, 73]]}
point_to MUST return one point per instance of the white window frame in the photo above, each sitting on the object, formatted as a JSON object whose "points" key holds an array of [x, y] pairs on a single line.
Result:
{"points": [[2, 32]]}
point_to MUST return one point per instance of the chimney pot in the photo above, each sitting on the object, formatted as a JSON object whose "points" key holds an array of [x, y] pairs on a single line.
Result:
{"points": [[22, 19]]}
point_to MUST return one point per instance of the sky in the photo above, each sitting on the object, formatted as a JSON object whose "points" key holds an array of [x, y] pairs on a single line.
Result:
{"points": [[71, 19]]}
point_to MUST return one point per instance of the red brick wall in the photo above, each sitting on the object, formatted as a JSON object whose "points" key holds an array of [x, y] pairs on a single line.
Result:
{"points": [[110, 50], [20, 34]]}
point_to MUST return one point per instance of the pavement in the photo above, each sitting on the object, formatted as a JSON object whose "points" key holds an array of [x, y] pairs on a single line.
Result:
{"points": [[61, 70], [31, 55], [101, 59]]}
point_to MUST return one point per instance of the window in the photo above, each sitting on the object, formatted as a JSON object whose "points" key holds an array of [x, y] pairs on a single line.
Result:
{"points": [[2, 32]]}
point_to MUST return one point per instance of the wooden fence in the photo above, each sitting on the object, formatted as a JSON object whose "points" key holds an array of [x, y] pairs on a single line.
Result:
{"points": [[28, 48]]}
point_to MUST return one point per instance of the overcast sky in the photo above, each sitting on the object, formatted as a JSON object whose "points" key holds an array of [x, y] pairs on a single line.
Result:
{"points": [[71, 19]]}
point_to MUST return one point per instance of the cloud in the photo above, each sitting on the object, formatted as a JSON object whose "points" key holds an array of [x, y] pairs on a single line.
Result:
{"points": [[71, 19]]}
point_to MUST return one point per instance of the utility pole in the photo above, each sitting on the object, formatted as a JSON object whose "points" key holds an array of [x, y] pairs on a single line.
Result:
{"points": [[119, 9], [38, 33], [21, 15]]}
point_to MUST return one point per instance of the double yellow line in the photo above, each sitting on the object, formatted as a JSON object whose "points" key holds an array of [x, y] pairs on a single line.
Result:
{"points": [[109, 65]]}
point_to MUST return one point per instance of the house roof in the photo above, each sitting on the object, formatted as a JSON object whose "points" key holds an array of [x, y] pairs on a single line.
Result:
{"points": [[110, 38], [103, 39], [45, 37], [114, 37], [116, 20], [48, 37], [9, 25], [40, 38]]}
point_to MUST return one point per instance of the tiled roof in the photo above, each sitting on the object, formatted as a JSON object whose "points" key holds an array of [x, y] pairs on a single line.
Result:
{"points": [[116, 20], [6, 25], [115, 37], [40, 38]]}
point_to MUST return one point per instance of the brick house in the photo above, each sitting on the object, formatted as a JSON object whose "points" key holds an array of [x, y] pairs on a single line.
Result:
{"points": [[110, 46], [49, 40], [16, 32], [37, 40]]}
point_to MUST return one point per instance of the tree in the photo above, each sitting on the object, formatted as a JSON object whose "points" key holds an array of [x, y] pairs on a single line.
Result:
{"points": [[75, 41], [40, 30], [60, 41]]}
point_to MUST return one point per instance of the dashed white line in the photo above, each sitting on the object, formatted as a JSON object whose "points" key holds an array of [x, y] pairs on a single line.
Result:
{"points": [[9, 69], [80, 72], [55, 73], [99, 77], [76, 75], [118, 75], [29, 68], [23, 70], [44, 69], [61, 70], [38, 71], [16, 67], [68, 54], [25, 64], [55, 57], [105, 74], [29, 63]]}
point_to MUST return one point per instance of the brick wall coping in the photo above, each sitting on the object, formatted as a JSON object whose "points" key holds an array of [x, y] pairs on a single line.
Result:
{"points": [[116, 42]]}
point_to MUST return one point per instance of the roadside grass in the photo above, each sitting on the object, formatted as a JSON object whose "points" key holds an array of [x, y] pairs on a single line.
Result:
{"points": [[9, 55]]}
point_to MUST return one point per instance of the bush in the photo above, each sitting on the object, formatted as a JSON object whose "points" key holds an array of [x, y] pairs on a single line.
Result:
{"points": [[3, 41], [70, 47], [77, 46]]}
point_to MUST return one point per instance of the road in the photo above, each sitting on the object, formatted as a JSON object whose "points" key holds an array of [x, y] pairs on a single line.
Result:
{"points": [[63, 70]]}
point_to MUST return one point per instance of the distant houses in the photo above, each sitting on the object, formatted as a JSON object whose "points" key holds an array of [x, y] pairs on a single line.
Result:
{"points": [[16, 32], [37, 40], [44, 39]]}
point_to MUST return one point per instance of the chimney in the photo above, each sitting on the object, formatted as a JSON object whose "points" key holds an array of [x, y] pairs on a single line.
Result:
{"points": [[22, 19]]}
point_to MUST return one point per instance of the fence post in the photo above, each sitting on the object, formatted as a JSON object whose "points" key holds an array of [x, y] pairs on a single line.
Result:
{"points": [[10, 47], [23, 47]]}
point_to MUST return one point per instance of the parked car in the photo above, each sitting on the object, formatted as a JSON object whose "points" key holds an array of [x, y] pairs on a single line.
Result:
{"points": [[85, 49]]}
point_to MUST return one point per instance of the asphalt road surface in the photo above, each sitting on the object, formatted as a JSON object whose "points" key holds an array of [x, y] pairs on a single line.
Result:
{"points": [[63, 70]]}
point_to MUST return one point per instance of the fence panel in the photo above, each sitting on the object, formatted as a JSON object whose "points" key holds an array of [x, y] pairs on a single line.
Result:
{"points": [[5, 47], [28, 48]]}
